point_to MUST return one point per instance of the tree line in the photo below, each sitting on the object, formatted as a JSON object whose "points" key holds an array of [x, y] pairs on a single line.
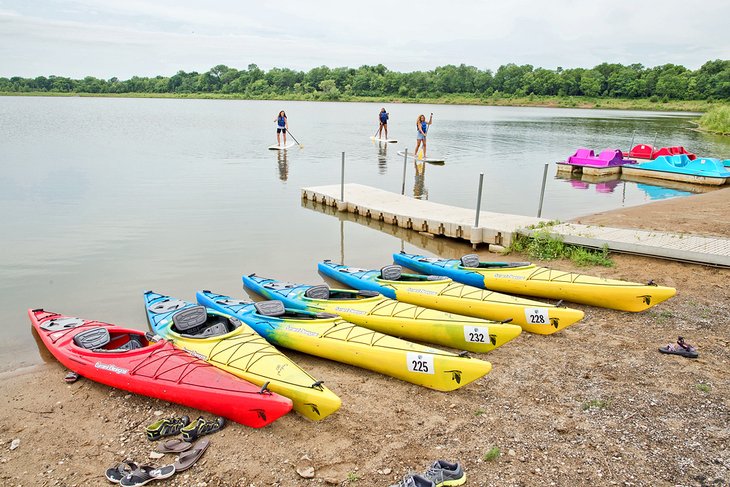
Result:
{"points": [[610, 80]]}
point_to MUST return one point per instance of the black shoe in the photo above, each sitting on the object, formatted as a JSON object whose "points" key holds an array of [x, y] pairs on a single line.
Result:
{"points": [[202, 427], [166, 427]]}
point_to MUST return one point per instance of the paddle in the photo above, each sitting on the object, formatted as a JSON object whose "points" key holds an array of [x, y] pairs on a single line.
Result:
{"points": [[295, 140]]}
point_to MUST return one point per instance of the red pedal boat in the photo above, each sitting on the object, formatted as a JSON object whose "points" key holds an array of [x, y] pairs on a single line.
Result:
{"points": [[128, 360]]}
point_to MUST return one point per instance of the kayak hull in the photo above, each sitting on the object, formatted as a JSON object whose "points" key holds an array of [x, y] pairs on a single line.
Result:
{"points": [[394, 317], [159, 370], [335, 339], [446, 295], [244, 353], [531, 280]]}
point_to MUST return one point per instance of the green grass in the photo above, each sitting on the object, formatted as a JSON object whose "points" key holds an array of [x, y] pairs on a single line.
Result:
{"points": [[352, 477], [717, 120], [595, 404], [703, 387], [492, 454], [541, 245], [479, 412], [460, 99]]}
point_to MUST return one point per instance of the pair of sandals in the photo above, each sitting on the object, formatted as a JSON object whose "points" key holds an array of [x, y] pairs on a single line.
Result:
{"points": [[680, 348], [130, 474], [190, 430]]}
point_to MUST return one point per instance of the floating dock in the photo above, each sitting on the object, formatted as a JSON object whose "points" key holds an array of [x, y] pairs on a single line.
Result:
{"points": [[500, 229]]}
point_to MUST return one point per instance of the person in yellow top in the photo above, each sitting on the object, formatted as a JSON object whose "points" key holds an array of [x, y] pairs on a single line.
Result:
{"points": [[422, 127]]}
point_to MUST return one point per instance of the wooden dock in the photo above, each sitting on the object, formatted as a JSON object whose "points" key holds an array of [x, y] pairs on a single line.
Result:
{"points": [[500, 228]]}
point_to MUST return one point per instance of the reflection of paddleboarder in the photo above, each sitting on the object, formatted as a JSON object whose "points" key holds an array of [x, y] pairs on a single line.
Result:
{"points": [[419, 185], [281, 125], [383, 119], [422, 127]]}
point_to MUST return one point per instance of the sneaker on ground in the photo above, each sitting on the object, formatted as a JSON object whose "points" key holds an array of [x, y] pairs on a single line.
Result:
{"points": [[414, 480], [202, 427], [443, 473], [166, 427]]}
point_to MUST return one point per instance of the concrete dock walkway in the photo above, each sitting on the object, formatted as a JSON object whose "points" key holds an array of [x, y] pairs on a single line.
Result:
{"points": [[500, 229]]}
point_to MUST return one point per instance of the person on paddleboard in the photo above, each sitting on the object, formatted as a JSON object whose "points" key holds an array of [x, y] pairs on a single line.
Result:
{"points": [[282, 124], [383, 119], [422, 127]]}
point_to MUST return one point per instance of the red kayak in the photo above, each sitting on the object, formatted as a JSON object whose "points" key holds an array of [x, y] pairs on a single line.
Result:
{"points": [[128, 360]]}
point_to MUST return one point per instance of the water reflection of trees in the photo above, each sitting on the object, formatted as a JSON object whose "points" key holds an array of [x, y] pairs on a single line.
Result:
{"points": [[283, 164]]}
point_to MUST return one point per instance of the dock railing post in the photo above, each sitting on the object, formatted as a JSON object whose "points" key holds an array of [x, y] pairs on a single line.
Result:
{"points": [[479, 199], [542, 190], [342, 180], [405, 162], [653, 146]]}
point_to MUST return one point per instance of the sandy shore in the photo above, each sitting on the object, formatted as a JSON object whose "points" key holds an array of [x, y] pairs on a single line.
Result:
{"points": [[595, 404]]}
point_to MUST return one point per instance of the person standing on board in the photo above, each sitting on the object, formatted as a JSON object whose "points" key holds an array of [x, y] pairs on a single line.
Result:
{"points": [[422, 127], [383, 119], [282, 124]]}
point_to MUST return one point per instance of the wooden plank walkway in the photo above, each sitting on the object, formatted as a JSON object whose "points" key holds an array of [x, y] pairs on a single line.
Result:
{"points": [[500, 228]]}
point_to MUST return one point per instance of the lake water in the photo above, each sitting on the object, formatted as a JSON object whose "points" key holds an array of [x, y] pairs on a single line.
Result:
{"points": [[103, 198]]}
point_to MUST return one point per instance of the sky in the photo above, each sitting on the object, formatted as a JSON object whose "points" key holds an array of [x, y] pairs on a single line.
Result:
{"points": [[124, 38]]}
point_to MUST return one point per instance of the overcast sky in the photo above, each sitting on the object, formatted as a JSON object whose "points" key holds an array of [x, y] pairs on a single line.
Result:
{"points": [[122, 38]]}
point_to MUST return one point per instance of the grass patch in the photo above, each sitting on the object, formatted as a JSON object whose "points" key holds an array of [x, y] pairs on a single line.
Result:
{"points": [[703, 387], [353, 477], [541, 245], [479, 412], [717, 120], [595, 404], [492, 454]]}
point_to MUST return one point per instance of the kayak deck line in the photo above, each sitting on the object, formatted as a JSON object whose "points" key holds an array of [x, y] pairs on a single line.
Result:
{"points": [[500, 229]]}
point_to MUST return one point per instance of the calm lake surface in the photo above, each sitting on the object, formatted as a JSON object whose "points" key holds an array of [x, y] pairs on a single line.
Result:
{"points": [[104, 198]]}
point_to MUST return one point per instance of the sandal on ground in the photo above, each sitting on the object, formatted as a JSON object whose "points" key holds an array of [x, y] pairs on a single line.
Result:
{"points": [[188, 458], [147, 473], [174, 445], [117, 473], [166, 427], [680, 348], [202, 427]]}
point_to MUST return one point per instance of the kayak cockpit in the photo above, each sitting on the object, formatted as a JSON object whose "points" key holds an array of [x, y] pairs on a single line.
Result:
{"points": [[395, 272], [196, 322], [98, 339], [324, 292], [471, 261], [276, 309]]}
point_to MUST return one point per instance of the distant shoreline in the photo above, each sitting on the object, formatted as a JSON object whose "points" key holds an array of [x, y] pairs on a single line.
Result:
{"points": [[690, 106]]}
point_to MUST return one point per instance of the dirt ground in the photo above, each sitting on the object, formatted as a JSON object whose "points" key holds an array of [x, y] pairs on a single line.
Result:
{"points": [[595, 404]]}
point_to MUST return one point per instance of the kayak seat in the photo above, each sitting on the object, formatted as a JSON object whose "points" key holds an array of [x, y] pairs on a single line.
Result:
{"points": [[93, 338], [391, 272], [189, 318], [470, 260], [270, 308], [318, 292], [276, 285], [215, 330]]}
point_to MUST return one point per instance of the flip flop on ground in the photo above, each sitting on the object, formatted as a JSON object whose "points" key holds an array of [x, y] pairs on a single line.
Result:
{"points": [[147, 473], [117, 473], [188, 458], [175, 445]]}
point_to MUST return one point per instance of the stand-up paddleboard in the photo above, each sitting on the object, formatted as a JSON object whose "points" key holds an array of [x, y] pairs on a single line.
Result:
{"points": [[288, 145], [432, 160], [380, 139]]}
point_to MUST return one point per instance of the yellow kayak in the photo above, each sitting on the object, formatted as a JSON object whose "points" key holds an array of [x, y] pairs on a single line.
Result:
{"points": [[442, 293], [236, 348], [531, 280], [375, 311], [331, 337]]}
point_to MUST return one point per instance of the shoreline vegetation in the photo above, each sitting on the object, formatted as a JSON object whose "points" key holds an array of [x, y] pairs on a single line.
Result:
{"points": [[644, 104], [716, 120], [669, 87]]}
